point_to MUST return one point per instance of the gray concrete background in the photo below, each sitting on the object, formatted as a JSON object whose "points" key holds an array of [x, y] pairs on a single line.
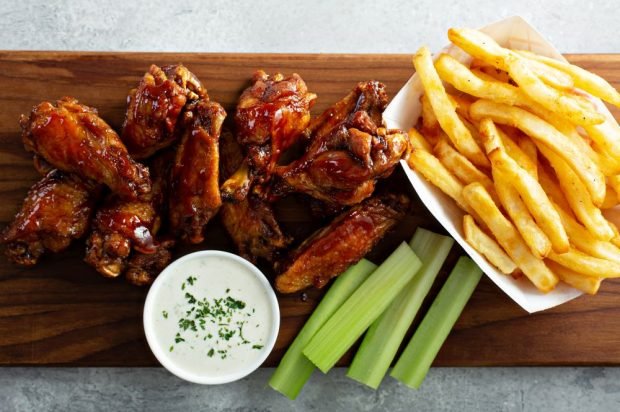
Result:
{"points": [[360, 26]]}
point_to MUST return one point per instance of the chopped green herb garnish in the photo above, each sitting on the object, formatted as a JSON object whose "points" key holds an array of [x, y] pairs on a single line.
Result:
{"points": [[257, 346], [223, 317], [164, 314]]}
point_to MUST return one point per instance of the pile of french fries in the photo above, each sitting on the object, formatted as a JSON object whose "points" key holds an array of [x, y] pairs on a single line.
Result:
{"points": [[517, 141]]}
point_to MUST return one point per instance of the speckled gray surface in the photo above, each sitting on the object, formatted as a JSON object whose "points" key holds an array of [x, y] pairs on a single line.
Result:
{"points": [[360, 26], [446, 389]]}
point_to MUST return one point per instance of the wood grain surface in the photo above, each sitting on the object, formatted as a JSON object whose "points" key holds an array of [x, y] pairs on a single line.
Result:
{"points": [[62, 313]]}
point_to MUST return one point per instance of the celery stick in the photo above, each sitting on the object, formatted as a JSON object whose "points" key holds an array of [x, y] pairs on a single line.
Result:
{"points": [[361, 309], [416, 360], [382, 340], [295, 369]]}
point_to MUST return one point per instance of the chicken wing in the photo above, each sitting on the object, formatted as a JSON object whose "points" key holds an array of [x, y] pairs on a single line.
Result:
{"points": [[154, 107], [143, 268], [73, 138], [195, 194], [124, 228], [55, 212], [331, 250], [119, 227], [349, 150], [271, 115], [250, 222]]}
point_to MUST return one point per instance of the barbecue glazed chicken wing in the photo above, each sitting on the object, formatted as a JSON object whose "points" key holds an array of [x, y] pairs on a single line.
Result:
{"points": [[73, 138], [56, 211], [143, 268], [271, 115], [331, 250], [154, 107], [123, 233], [349, 150], [119, 227], [250, 222], [194, 192]]}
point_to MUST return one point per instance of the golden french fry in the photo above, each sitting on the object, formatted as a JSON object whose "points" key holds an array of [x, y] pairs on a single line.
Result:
{"points": [[514, 151], [534, 237], [458, 75], [491, 73], [528, 188], [487, 246], [508, 237], [485, 49], [611, 198], [444, 110], [576, 108], [606, 136], [586, 264], [590, 82], [587, 284], [544, 133], [583, 240], [462, 104], [431, 168], [614, 181], [528, 147], [616, 239], [552, 189], [578, 197], [418, 141], [430, 125], [460, 166]]}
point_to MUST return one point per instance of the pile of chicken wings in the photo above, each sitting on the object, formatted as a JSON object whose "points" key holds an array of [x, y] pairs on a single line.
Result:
{"points": [[173, 168]]}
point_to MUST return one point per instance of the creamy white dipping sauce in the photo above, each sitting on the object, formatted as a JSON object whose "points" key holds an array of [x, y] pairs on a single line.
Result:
{"points": [[211, 317]]}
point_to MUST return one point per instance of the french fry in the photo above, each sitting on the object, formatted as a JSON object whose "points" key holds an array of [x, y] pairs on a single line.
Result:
{"points": [[587, 284], [578, 197], [485, 49], [529, 148], [543, 132], [552, 189], [460, 166], [491, 73], [462, 105], [607, 136], [528, 188], [418, 141], [586, 264], [576, 108], [590, 82], [430, 125], [458, 75], [487, 246], [444, 110], [534, 237], [514, 151], [583, 240], [611, 198], [431, 168], [508, 237]]}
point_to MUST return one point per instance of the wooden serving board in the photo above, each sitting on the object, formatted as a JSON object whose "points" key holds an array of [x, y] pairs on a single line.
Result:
{"points": [[62, 313]]}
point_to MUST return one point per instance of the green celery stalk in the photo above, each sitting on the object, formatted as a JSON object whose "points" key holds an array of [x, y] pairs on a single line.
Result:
{"points": [[384, 337], [416, 360], [295, 369], [361, 309]]}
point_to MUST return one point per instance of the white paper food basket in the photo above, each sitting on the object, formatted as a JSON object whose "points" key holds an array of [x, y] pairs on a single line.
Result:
{"points": [[404, 112]]}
